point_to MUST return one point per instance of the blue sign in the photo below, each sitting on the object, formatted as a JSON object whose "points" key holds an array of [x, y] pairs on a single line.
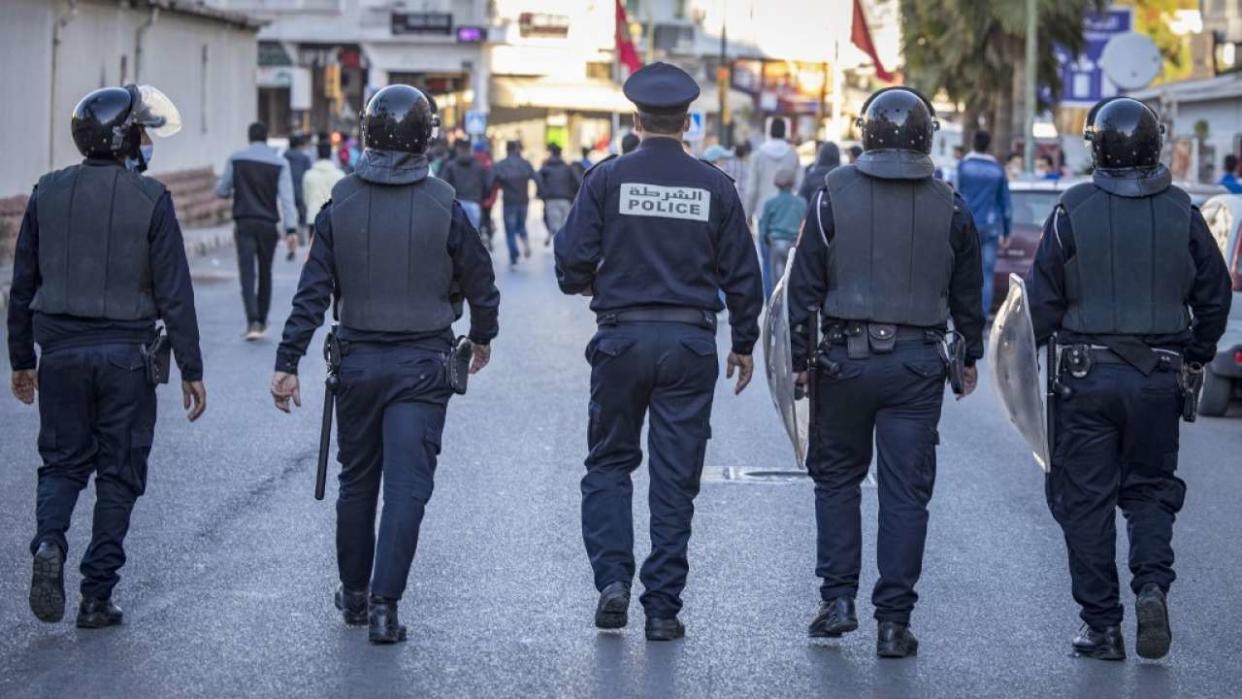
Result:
{"points": [[1083, 82], [476, 122]]}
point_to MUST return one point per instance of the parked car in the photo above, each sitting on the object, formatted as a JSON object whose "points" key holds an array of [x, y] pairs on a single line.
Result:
{"points": [[1033, 201], [1222, 379]]}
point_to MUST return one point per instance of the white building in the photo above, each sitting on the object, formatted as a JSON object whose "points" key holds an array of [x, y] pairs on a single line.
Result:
{"points": [[56, 51], [1204, 122]]}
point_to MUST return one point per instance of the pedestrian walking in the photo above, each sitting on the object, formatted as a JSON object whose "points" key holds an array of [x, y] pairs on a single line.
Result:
{"points": [[318, 182], [653, 237], [515, 175], [775, 154], [1130, 287], [781, 221], [483, 154], [99, 260], [982, 182], [299, 163], [828, 159], [470, 179], [260, 183], [395, 246], [1229, 180], [558, 185], [904, 260]]}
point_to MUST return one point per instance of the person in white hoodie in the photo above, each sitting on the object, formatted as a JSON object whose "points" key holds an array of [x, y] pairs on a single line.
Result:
{"points": [[772, 157], [318, 181]]}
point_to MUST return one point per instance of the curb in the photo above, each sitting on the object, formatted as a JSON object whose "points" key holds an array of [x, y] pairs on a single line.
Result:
{"points": [[199, 242]]}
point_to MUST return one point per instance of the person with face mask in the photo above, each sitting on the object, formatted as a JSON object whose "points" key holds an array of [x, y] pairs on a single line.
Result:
{"points": [[99, 260]]}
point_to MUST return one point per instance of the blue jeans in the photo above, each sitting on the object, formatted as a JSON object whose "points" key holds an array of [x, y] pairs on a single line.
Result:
{"points": [[515, 227], [474, 212], [988, 244], [765, 266]]}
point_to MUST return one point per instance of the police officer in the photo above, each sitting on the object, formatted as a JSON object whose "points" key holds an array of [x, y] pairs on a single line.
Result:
{"points": [[396, 246], [654, 236], [1129, 284], [99, 259], [888, 255]]}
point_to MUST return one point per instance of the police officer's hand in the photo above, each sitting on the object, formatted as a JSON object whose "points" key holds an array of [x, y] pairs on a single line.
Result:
{"points": [[285, 387], [745, 365], [25, 384], [481, 355], [193, 399], [970, 379]]}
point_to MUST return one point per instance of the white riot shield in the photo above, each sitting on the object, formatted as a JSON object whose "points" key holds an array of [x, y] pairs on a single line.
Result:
{"points": [[778, 363], [1013, 360]]}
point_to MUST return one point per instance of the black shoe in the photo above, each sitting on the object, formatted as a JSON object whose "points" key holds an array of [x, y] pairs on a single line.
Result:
{"points": [[98, 613], [384, 625], [664, 629], [353, 606], [1152, 610], [613, 610], [1101, 644], [894, 640], [290, 255], [47, 583], [834, 618]]}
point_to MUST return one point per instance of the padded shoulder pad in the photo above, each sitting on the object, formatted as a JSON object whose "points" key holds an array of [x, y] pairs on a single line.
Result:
{"points": [[441, 191], [346, 187], [1078, 194], [150, 186], [1180, 196]]}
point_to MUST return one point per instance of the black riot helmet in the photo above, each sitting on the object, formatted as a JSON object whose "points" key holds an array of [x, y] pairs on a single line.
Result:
{"points": [[898, 118], [109, 122], [1124, 134], [401, 118]]}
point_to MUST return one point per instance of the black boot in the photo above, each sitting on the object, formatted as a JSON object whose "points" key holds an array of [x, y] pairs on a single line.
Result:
{"points": [[613, 609], [894, 640], [353, 605], [834, 618], [664, 629], [47, 583], [1102, 644], [1152, 610], [384, 625], [97, 613]]}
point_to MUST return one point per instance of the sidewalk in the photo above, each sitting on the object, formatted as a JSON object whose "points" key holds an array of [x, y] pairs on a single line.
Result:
{"points": [[198, 242]]}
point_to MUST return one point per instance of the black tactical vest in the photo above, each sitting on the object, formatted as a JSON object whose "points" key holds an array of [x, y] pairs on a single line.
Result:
{"points": [[94, 261], [1132, 271], [390, 242], [891, 258]]}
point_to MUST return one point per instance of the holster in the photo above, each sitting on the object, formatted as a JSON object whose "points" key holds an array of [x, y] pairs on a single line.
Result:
{"points": [[954, 347], [157, 358], [857, 344], [459, 365], [1190, 381]]}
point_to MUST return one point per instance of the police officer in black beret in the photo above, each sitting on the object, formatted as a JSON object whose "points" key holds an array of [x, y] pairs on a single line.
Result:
{"points": [[397, 248], [1130, 286], [888, 256], [99, 260], [654, 236]]}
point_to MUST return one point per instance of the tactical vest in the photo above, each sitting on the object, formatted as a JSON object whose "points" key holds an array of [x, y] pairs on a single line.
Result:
{"points": [[94, 227], [890, 259], [390, 242], [1132, 271]]}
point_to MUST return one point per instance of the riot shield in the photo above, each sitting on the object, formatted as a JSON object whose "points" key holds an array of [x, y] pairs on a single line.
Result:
{"points": [[778, 364], [1013, 361]]}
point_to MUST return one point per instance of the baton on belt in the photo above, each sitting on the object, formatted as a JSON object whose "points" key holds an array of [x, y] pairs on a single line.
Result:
{"points": [[331, 355]]}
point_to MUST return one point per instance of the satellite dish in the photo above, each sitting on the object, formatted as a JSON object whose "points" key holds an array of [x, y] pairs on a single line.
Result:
{"points": [[1131, 60]]}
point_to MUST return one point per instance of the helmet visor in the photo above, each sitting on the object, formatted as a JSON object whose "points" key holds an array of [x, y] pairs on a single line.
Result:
{"points": [[155, 112]]}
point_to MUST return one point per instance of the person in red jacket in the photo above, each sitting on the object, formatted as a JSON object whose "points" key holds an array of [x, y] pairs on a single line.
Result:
{"points": [[486, 229]]}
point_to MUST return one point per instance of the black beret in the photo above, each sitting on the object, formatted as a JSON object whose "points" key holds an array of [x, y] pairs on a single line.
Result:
{"points": [[661, 88]]}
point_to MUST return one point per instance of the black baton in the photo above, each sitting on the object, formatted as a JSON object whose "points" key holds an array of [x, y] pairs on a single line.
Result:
{"points": [[331, 355]]}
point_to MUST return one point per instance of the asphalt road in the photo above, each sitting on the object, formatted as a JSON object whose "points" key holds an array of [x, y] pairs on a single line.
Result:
{"points": [[231, 562]]}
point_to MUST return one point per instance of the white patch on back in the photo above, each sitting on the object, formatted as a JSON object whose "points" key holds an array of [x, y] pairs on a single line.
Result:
{"points": [[688, 203]]}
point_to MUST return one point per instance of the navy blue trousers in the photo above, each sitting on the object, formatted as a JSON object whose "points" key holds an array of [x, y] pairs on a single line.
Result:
{"points": [[895, 400], [96, 415], [390, 414], [667, 371], [1116, 445]]}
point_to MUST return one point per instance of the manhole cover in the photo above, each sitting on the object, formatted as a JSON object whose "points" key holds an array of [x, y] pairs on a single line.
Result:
{"points": [[758, 474]]}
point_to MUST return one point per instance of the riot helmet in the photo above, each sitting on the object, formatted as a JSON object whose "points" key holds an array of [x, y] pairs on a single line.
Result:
{"points": [[1124, 134], [400, 118], [898, 118], [108, 122]]}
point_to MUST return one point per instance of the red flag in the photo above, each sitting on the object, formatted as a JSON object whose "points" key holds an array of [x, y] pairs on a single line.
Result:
{"points": [[860, 36], [627, 55]]}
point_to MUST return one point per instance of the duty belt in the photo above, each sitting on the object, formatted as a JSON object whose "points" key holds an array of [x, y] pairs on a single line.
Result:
{"points": [[689, 316], [863, 338], [1077, 360]]}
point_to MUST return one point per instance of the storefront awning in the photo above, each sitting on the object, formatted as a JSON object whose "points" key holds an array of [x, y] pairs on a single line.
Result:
{"points": [[587, 95], [420, 58]]}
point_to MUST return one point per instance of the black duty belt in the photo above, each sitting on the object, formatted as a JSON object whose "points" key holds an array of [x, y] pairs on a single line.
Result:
{"points": [[1077, 360], [864, 338], [689, 316]]}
